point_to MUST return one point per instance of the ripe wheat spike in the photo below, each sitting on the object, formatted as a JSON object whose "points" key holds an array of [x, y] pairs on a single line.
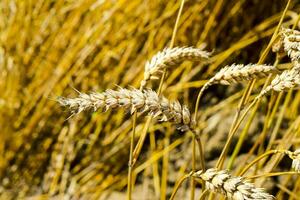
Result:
{"points": [[238, 72], [288, 79], [291, 42], [170, 57], [145, 101], [236, 188]]}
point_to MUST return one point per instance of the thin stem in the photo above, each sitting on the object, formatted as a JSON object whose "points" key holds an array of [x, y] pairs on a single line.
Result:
{"points": [[178, 184], [203, 194], [138, 148], [156, 177], [264, 132], [245, 130], [202, 162], [241, 140], [198, 101], [261, 157], [272, 116], [197, 138], [193, 183], [165, 166], [228, 141], [130, 163], [250, 87], [272, 174]]}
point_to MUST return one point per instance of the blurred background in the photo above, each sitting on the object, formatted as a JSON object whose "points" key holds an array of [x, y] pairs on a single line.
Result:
{"points": [[53, 48]]}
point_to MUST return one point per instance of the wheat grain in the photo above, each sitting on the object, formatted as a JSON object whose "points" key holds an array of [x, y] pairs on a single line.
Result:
{"points": [[288, 79], [145, 101], [236, 188], [170, 57]]}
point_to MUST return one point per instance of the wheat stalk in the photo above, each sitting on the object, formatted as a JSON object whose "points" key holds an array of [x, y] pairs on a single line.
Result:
{"points": [[288, 79], [145, 101], [170, 57], [236, 188]]}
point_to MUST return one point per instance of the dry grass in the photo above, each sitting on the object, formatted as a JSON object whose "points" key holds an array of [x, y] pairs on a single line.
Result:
{"points": [[47, 48]]}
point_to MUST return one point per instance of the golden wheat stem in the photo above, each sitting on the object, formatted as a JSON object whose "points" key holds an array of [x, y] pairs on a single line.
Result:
{"points": [[138, 147], [250, 86], [261, 157], [228, 141], [193, 183], [231, 74], [202, 196], [235, 73], [178, 184], [132, 137], [272, 174], [245, 130]]}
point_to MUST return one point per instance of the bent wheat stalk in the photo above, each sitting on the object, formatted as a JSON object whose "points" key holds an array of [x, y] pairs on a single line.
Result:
{"points": [[170, 57], [236, 188], [146, 101], [294, 155]]}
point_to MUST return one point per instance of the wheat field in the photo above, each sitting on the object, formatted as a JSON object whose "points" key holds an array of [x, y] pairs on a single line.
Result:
{"points": [[149, 99]]}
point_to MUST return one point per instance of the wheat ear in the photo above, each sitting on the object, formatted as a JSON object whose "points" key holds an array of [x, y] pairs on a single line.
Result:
{"points": [[291, 42], [145, 101], [288, 79], [236, 188], [238, 72], [170, 57]]}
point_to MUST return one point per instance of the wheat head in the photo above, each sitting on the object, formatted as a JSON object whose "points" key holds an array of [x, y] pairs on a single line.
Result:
{"points": [[288, 79], [145, 101], [236, 188], [170, 57], [289, 40], [238, 72]]}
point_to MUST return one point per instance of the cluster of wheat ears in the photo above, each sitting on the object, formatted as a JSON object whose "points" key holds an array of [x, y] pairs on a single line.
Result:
{"points": [[146, 100]]}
